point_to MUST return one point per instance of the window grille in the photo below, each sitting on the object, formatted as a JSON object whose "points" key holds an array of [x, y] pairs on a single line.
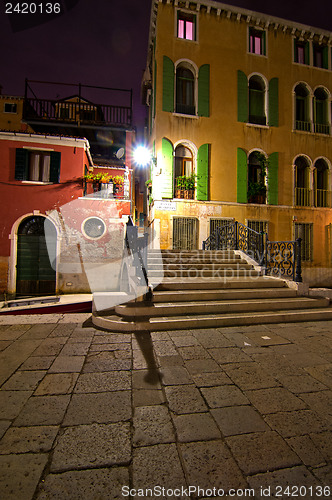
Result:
{"points": [[215, 223], [305, 232], [185, 233], [258, 225]]}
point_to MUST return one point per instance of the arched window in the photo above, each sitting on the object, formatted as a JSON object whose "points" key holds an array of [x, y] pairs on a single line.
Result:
{"points": [[185, 90], [257, 91], [184, 180], [302, 109], [321, 182], [256, 178], [302, 187], [320, 111]]}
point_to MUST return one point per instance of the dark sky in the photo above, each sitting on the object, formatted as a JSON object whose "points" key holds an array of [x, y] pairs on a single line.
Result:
{"points": [[104, 42]]}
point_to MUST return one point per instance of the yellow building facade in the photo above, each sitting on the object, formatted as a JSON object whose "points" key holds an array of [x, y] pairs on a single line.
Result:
{"points": [[240, 128]]}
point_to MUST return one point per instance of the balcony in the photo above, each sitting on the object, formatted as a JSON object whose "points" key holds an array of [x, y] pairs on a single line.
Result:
{"points": [[76, 110], [322, 198], [302, 197], [322, 128], [305, 126]]}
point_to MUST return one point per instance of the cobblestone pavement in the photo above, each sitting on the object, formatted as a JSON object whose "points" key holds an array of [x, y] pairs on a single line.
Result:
{"points": [[91, 415]]}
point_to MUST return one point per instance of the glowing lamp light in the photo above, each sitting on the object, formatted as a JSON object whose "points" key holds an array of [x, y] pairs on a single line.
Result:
{"points": [[142, 156]]}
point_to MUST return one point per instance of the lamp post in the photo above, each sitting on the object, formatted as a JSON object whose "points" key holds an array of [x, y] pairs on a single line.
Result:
{"points": [[143, 158]]}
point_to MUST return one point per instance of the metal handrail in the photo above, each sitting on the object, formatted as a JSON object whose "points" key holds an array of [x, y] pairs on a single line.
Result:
{"points": [[281, 258]]}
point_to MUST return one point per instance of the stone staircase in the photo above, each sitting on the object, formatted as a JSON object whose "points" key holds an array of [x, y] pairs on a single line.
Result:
{"points": [[206, 289]]}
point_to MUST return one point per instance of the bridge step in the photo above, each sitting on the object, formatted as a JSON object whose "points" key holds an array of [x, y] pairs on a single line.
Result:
{"points": [[117, 324]]}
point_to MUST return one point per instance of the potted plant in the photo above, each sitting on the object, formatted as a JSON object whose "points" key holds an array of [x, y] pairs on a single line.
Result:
{"points": [[256, 192], [118, 181], [190, 187], [257, 189], [180, 186]]}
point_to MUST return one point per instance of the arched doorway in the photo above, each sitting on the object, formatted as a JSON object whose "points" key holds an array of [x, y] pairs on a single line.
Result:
{"points": [[35, 274]]}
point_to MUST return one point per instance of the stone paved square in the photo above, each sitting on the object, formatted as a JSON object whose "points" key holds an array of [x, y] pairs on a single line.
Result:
{"points": [[153, 409]]}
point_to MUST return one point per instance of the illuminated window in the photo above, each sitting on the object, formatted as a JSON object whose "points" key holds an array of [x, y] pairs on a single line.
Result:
{"points": [[257, 41], [186, 26], [301, 52]]}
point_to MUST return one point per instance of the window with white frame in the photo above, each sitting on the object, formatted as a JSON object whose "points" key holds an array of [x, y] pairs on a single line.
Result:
{"points": [[302, 107], [185, 90], [320, 111], [37, 165], [257, 41], [257, 93], [302, 182], [322, 193], [186, 25]]}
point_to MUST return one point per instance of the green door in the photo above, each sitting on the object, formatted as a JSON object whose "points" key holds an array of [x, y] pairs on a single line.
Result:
{"points": [[35, 274]]}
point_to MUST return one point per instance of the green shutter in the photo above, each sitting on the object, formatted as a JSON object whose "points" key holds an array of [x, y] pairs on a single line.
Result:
{"points": [[167, 168], [295, 50], [307, 53], [325, 57], [55, 167], [242, 97], [242, 176], [154, 88], [21, 164], [273, 102], [203, 172], [272, 177], [168, 84], [264, 43], [204, 90]]}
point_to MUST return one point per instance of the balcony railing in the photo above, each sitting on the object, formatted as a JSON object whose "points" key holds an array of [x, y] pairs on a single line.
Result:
{"points": [[322, 198], [302, 197], [47, 110], [305, 126], [322, 128]]}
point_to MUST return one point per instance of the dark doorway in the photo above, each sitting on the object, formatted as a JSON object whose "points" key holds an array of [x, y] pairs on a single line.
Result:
{"points": [[35, 274]]}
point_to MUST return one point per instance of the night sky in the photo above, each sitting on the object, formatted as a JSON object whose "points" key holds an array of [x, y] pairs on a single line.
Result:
{"points": [[104, 42]]}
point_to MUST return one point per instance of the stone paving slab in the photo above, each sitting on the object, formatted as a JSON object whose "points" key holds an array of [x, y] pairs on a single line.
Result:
{"points": [[20, 475], [94, 445], [85, 413], [85, 484]]}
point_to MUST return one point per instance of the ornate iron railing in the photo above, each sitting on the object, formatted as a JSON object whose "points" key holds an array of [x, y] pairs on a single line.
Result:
{"points": [[278, 258], [283, 259]]}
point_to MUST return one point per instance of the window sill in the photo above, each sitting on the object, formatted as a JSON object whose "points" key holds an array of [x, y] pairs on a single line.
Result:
{"points": [[186, 40], [182, 115], [256, 125], [328, 136], [37, 183], [258, 55]]}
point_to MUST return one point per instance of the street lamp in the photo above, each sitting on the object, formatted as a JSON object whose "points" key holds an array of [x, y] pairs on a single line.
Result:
{"points": [[142, 156]]}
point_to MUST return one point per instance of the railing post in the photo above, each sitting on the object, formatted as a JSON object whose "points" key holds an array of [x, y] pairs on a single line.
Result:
{"points": [[265, 254], [236, 242], [298, 270], [261, 249]]}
